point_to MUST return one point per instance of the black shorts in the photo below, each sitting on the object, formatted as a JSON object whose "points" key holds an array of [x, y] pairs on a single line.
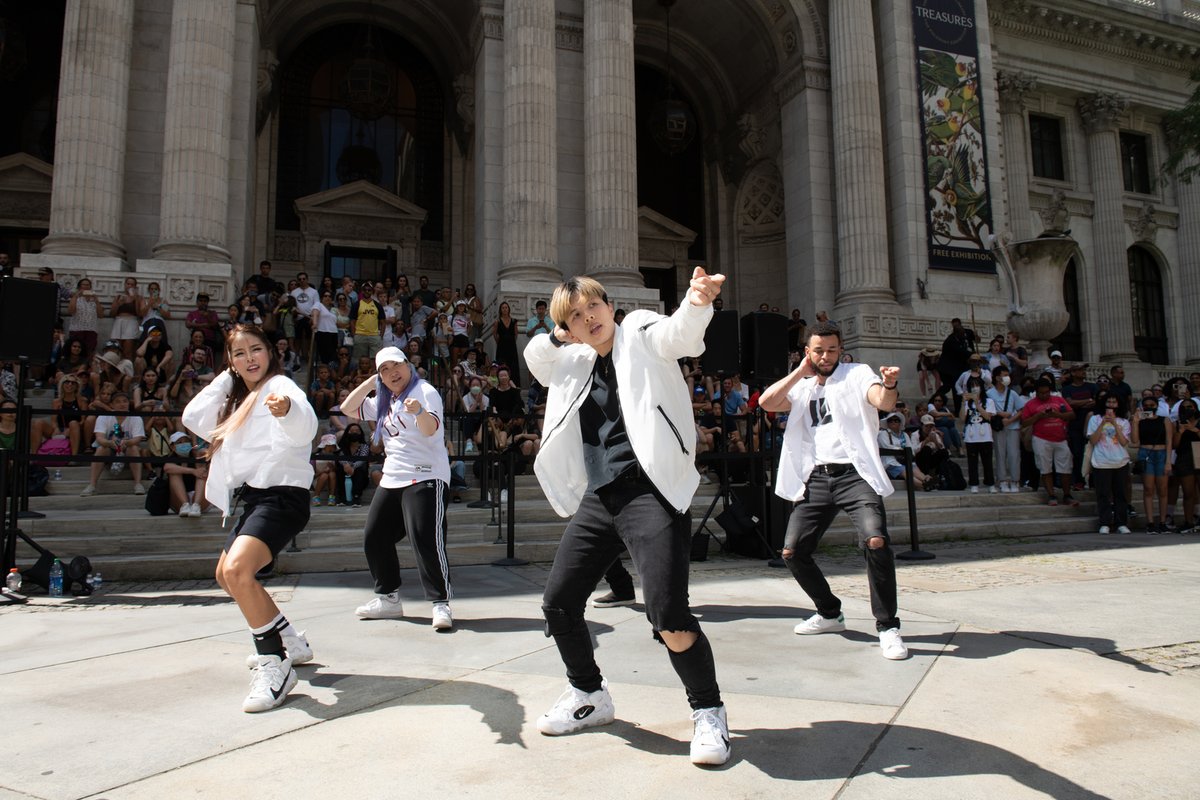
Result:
{"points": [[273, 516], [460, 340]]}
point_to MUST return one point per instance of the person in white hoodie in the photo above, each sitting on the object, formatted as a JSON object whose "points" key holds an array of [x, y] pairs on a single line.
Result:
{"points": [[618, 458], [260, 428]]}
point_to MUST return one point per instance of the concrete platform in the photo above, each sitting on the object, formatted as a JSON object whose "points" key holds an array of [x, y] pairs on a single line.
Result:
{"points": [[1046, 667]]}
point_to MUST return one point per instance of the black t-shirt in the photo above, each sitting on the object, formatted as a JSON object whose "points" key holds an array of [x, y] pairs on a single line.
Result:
{"points": [[506, 402], [606, 449]]}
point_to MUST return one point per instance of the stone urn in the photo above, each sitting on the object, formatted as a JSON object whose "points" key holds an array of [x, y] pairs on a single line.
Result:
{"points": [[1037, 311]]}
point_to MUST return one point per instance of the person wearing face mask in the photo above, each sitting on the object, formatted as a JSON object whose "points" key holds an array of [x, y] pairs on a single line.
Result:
{"points": [[1108, 433], [1007, 437], [185, 482], [476, 403], [353, 452], [413, 494]]}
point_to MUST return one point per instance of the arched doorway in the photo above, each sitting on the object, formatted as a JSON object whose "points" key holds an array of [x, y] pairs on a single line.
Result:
{"points": [[327, 140], [1070, 341], [1146, 302]]}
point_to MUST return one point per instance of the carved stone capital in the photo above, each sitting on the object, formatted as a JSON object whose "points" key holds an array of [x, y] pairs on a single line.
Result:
{"points": [[1014, 87], [1055, 216], [1101, 110]]}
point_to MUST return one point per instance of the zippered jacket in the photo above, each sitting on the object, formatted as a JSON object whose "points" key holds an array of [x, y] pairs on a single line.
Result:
{"points": [[654, 403]]}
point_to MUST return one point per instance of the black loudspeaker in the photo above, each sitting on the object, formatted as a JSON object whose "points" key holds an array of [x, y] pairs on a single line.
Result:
{"points": [[28, 310], [749, 499], [764, 347], [721, 345], [74, 572]]}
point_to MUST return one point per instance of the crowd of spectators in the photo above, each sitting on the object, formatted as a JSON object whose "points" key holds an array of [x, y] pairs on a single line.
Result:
{"points": [[1052, 429]]}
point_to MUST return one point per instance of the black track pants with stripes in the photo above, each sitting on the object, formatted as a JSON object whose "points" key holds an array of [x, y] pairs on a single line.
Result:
{"points": [[418, 512]]}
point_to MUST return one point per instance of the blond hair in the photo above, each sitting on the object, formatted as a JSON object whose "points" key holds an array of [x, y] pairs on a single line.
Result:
{"points": [[567, 295]]}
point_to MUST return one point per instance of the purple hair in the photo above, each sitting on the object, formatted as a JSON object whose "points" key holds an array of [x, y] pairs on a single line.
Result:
{"points": [[384, 399]]}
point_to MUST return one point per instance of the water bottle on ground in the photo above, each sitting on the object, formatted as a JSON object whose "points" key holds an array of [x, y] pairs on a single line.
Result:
{"points": [[96, 580], [58, 474], [56, 579], [349, 491], [13, 580]]}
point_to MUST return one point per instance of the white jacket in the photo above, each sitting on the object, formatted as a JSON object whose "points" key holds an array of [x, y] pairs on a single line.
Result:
{"points": [[857, 421], [266, 451], [654, 403]]}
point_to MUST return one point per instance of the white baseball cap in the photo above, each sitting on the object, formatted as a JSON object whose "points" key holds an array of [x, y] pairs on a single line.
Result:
{"points": [[328, 440], [177, 435], [389, 354]]}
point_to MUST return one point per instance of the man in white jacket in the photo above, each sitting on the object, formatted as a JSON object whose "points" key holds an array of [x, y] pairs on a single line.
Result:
{"points": [[618, 457], [830, 462]]}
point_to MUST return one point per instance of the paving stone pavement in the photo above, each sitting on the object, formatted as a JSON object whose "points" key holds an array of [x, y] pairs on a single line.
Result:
{"points": [[1046, 667]]}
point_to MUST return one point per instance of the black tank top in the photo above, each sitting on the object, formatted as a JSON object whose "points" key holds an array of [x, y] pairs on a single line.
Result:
{"points": [[1152, 432]]}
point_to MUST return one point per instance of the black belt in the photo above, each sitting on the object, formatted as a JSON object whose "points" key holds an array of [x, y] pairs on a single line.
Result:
{"points": [[832, 470]]}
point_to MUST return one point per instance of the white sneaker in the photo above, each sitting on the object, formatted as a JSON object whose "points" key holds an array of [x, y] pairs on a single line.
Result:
{"points": [[196, 512], [139, 488], [504, 495], [88, 490], [992, 490], [381, 606], [1105, 529], [443, 619], [710, 736], [892, 645], [1123, 529], [704, 478], [298, 650], [273, 679], [575, 710], [974, 490], [818, 624], [185, 510]]}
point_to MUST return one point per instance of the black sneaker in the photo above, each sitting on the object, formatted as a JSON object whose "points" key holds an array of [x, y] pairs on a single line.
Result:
{"points": [[611, 600], [1153, 529]]}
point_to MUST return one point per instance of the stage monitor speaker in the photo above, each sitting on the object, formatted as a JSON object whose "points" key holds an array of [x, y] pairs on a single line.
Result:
{"points": [[764, 347], [28, 310], [721, 345], [750, 500]]}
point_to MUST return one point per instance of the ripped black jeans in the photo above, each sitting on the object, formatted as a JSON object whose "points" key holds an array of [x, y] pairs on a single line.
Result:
{"points": [[627, 513]]}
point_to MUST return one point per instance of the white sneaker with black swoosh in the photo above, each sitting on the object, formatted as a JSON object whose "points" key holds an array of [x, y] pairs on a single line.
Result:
{"points": [[297, 647], [575, 710], [272, 680], [710, 736]]}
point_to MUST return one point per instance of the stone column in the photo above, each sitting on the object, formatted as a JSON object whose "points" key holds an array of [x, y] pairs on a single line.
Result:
{"points": [[1188, 197], [530, 249], [610, 143], [1114, 317], [862, 217], [89, 149], [193, 221], [1014, 86]]}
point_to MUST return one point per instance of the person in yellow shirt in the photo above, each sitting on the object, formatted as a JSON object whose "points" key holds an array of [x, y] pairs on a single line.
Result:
{"points": [[366, 316]]}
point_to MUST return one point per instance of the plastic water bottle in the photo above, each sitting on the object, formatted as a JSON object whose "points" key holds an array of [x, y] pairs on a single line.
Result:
{"points": [[56, 579], [58, 474], [13, 580], [349, 491], [96, 580]]}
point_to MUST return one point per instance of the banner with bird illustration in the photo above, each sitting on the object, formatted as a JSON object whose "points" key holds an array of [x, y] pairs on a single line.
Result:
{"points": [[957, 201]]}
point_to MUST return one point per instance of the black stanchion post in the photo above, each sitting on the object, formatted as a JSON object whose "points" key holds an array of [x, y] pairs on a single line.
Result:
{"points": [[24, 426], [481, 453], [510, 558], [9, 515], [915, 553]]}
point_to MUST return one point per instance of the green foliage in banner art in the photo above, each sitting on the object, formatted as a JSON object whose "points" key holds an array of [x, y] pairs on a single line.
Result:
{"points": [[1182, 127]]}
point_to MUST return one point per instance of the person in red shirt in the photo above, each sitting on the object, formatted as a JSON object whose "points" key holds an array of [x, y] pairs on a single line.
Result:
{"points": [[1048, 415]]}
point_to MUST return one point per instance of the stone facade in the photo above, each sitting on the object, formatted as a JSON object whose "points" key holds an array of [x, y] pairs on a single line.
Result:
{"points": [[169, 142]]}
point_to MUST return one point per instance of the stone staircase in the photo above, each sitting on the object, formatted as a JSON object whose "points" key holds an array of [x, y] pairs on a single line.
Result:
{"points": [[113, 529]]}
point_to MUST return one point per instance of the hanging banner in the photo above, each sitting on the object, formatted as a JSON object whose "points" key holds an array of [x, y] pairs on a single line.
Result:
{"points": [[957, 203]]}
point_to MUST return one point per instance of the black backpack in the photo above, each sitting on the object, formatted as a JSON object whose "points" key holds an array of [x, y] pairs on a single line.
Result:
{"points": [[951, 476], [158, 497]]}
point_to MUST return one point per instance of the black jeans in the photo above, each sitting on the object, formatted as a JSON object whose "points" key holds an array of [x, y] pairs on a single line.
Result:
{"points": [[812, 516], [976, 452], [627, 513], [1111, 502]]}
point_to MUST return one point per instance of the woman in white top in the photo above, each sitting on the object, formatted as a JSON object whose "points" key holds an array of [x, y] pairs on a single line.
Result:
{"points": [[260, 427], [411, 498], [1108, 432], [976, 415], [325, 329]]}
